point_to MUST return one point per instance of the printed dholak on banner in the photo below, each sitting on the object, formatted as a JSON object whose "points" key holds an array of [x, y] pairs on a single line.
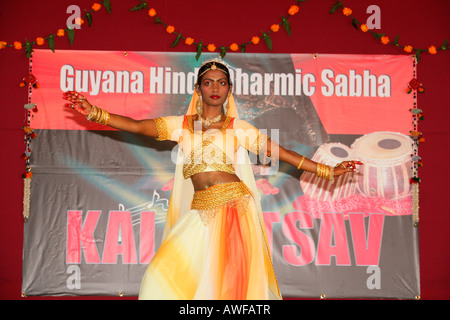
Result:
{"points": [[99, 196]]}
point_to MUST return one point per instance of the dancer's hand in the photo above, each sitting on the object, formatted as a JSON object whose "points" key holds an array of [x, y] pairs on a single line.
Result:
{"points": [[78, 102], [346, 166]]}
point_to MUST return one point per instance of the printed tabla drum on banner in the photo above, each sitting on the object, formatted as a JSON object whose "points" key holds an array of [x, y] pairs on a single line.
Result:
{"points": [[387, 164], [324, 190]]}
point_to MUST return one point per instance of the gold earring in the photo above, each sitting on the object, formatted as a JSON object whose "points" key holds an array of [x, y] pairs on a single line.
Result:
{"points": [[227, 106], [199, 106]]}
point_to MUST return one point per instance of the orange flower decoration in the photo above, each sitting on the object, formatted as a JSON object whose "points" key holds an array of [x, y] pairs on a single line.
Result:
{"points": [[293, 9], [96, 6], [79, 21], [275, 27], [27, 130], [364, 28], [170, 29], [189, 41], [152, 12], [255, 40], [408, 49], [60, 33], [234, 47], [211, 47], [432, 50], [2, 44], [28, 174], [17, 45], [384, 40], [40, 41], [347, 11]]}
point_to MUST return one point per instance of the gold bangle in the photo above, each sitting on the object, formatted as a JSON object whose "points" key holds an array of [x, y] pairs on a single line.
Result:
{"points": [[108, 117], [105, 118], [301, 162], [92, 113], [102, 117], [319, 170], [325, 172], [99, 115]]}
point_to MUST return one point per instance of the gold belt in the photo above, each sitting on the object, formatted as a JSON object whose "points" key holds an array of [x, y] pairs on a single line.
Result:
{"points": [[233, 194]]}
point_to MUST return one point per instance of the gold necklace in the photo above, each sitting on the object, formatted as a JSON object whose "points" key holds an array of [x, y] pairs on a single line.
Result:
{"points": [[208, 122]]}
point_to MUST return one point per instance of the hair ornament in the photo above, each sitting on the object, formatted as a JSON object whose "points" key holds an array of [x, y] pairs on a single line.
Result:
{"points": [[214, 67], [215, 60]]}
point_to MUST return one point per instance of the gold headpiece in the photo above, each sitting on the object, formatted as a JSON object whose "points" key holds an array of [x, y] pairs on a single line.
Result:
{"points": [[213, 66], [218, 60]]}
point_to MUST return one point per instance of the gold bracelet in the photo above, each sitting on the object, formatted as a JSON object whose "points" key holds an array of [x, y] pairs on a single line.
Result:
{"points": [[325, 172], [301, 162], [99, 115], [92, 113], [320, 170], [104, 117], [107, 118]]}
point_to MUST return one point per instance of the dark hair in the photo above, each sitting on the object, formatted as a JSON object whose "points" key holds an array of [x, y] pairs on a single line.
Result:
{"points": [[208, 65]]}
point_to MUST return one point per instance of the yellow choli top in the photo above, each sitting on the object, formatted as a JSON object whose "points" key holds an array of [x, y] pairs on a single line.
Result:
{"points": [[211, 150]]}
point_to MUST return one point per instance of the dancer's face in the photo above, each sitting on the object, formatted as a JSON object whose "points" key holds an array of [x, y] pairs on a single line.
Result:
{"points": [[214, 88]]}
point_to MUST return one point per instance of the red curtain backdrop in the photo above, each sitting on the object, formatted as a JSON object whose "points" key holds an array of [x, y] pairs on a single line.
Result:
{"points": [[314, 30]]}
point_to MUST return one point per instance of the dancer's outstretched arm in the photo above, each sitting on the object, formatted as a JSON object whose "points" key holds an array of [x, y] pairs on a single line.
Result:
{"points": [[278, 152], [80, 104]]}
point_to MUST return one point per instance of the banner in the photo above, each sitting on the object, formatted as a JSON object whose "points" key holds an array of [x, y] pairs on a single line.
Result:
{"points": [[99, 196]]}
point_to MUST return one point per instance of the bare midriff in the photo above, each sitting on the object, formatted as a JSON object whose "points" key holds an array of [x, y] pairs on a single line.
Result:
{"points": [[204, 180]]}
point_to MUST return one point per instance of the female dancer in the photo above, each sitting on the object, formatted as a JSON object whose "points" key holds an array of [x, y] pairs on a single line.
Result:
{"points": [[214, 243]]}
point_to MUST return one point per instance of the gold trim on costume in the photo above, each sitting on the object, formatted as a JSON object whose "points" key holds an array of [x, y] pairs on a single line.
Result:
{"points": [[207, 202], [207, 155], [260, 142], [161, 127]]}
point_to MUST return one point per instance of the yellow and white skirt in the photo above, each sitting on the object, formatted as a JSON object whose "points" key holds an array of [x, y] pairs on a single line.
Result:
{"points": [[217, 250]]}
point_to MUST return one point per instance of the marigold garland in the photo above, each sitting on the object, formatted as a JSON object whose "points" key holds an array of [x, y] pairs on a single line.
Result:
{"points": [[50, 39], [293, 9], [382, 36], [211, 47], [413, 86], [416, 162]]}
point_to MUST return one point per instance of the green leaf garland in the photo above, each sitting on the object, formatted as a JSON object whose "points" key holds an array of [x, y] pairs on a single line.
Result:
{"points": [[199, 46], [286, 25], [267, 40], [177, 41], [382, 36], [107, 5], [69, 32], [71, 35], [51, 42]]}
